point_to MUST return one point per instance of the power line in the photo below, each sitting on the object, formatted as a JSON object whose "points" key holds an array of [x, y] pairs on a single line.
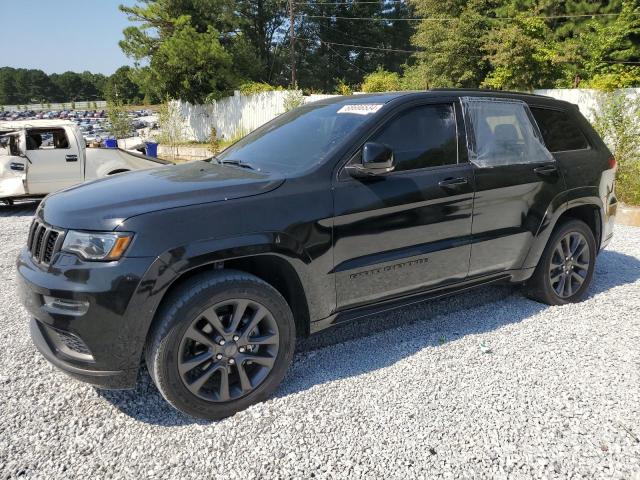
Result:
{"points": [[396, 50], [452, 19], [382, 49], [328, 45]]}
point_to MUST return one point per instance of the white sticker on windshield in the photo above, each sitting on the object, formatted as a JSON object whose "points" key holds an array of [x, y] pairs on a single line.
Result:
{"points": [[361, 109]]}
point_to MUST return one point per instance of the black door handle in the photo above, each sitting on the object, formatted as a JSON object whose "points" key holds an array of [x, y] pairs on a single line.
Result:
{"points": [[546, 170], [18, 167], [453, 182], [71, 158]]}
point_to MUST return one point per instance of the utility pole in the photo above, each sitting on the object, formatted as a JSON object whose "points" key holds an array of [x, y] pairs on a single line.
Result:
{"points": [[292, 42]]}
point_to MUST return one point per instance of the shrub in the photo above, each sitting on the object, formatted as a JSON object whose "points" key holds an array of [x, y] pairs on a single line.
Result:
{"points": [[171, 123], [608, 82], [214, 141], [617, 120], [381, 81], [342, 88], [293, 99], [120, 123], [252, 88]]}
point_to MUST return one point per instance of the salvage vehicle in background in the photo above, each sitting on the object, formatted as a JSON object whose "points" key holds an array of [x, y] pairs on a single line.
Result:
{"points": [[335, 210], [38, 157]]}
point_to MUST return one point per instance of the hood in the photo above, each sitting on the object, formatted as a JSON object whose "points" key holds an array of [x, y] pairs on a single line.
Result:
{"points": [[104, 204]]}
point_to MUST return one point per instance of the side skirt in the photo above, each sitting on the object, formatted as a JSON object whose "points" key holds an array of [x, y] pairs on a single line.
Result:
{"points": [[342, 316]]}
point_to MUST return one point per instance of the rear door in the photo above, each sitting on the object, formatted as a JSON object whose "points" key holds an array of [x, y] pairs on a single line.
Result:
{"points": [[54, 160], [410, 229], [516, 177]]}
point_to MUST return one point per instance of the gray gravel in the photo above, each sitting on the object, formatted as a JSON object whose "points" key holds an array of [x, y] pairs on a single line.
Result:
{"points": [[487, 384]]}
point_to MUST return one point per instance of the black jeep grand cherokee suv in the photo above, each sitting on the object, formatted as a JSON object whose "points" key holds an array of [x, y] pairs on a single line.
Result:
{"points": [[332, 211]]}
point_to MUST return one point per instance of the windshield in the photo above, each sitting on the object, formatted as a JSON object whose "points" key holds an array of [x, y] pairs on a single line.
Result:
{"points": [[298, 139]]}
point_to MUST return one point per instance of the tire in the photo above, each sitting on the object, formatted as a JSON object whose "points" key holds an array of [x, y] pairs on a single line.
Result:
{"points": [[194, 337], [546, 285]]}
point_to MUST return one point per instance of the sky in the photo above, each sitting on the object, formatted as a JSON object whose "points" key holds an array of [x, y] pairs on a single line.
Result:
{"points": [[60, 35]]}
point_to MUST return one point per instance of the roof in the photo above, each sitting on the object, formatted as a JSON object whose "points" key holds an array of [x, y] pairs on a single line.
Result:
{"points": [[20, 124], [437, 92]]}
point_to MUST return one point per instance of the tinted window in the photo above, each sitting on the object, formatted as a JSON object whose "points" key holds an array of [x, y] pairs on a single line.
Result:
{"points": [[300, 138], [422, 137], [559, 131], [503, 133]]}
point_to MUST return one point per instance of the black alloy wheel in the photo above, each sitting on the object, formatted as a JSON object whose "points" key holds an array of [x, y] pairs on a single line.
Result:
{"points": [[569, 264], [221, 342], [565, 269], [228, 350]]}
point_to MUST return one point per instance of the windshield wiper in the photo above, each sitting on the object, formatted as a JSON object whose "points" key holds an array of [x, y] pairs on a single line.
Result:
{"points": [[237, 163]]}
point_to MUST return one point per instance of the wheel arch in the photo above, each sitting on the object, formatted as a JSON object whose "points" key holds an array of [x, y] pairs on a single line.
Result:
{"points": [[272, 268], [586, 209]]}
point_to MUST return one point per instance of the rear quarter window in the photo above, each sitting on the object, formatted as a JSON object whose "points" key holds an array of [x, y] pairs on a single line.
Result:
{"points": [[559, 131]]}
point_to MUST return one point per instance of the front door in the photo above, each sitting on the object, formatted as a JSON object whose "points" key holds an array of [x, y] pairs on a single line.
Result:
{"points": [[516, 181], [409, 229], [54, 160]]}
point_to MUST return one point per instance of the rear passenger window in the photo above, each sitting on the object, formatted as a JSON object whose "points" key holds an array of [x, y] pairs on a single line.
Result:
{"points": [[500, 132], [422, 137], [559, 131]]}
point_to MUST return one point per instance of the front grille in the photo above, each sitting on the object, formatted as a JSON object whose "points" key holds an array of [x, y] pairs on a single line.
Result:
{"points": [[73, 343], [44, 242]]}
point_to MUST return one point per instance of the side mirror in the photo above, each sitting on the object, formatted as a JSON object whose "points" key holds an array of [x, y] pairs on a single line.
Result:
{"points": [[377, 159]]}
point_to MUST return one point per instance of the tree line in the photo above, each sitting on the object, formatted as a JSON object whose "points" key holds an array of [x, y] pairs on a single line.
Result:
{"points": [[199, 50], [202, 49], [20, 86]]}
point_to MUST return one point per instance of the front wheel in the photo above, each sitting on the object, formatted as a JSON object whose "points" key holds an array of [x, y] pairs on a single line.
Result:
{"points": [[221, 343], [566, 267]]}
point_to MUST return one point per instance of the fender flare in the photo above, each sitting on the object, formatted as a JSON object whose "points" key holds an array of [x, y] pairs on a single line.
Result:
{"points": [[551, 219], [172, 265]]}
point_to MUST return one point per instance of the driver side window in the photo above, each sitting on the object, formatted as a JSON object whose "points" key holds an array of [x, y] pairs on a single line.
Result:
{"points": [[421, 137], [47, 139]]}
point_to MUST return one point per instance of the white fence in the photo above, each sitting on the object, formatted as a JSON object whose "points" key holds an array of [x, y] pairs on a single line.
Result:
{"points": [[240, 114], [38, 107], [234, 116], [586, 99]]}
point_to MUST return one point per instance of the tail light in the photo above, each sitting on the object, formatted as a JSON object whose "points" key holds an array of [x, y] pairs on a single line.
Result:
{"points": [[612, 162]]}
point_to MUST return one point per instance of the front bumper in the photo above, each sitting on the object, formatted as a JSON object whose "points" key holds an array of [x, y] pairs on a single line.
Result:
{"points": [[101, 341]]}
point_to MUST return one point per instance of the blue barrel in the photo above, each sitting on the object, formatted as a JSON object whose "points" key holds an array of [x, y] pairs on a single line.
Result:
{"points": [[152, 149], [111, 143]]}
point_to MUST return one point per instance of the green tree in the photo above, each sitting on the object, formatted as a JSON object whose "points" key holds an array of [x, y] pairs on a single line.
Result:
{"points": [[522, 55], [192, 66], [326, 50], [8, 87], [452, 46], [119, 86], [194, 48], [120, 122], [612, 50]]}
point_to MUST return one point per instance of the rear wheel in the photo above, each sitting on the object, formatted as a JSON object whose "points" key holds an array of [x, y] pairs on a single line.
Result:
{"points": [[566, 267], [222, 342]]}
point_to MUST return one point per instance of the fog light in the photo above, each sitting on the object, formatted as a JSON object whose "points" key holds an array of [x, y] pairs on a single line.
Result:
{"points": [[64, 306]]}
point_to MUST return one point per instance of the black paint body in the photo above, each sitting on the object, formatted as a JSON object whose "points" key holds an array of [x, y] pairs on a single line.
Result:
{"points": [[346, 247]]}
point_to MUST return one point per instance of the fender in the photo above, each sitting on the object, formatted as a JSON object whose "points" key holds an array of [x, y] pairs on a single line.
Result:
{"points": [[167, 268], [561, 204]]}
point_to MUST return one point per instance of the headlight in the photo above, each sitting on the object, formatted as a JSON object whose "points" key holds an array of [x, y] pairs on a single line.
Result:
{"points": [[96, 245]]}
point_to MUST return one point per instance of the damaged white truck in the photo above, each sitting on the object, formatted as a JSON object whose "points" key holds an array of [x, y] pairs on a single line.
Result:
{"points": [[38, 157]]}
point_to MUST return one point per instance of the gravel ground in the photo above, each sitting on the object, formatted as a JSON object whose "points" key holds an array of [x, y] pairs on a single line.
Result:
{"points": [[484, 385]]}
